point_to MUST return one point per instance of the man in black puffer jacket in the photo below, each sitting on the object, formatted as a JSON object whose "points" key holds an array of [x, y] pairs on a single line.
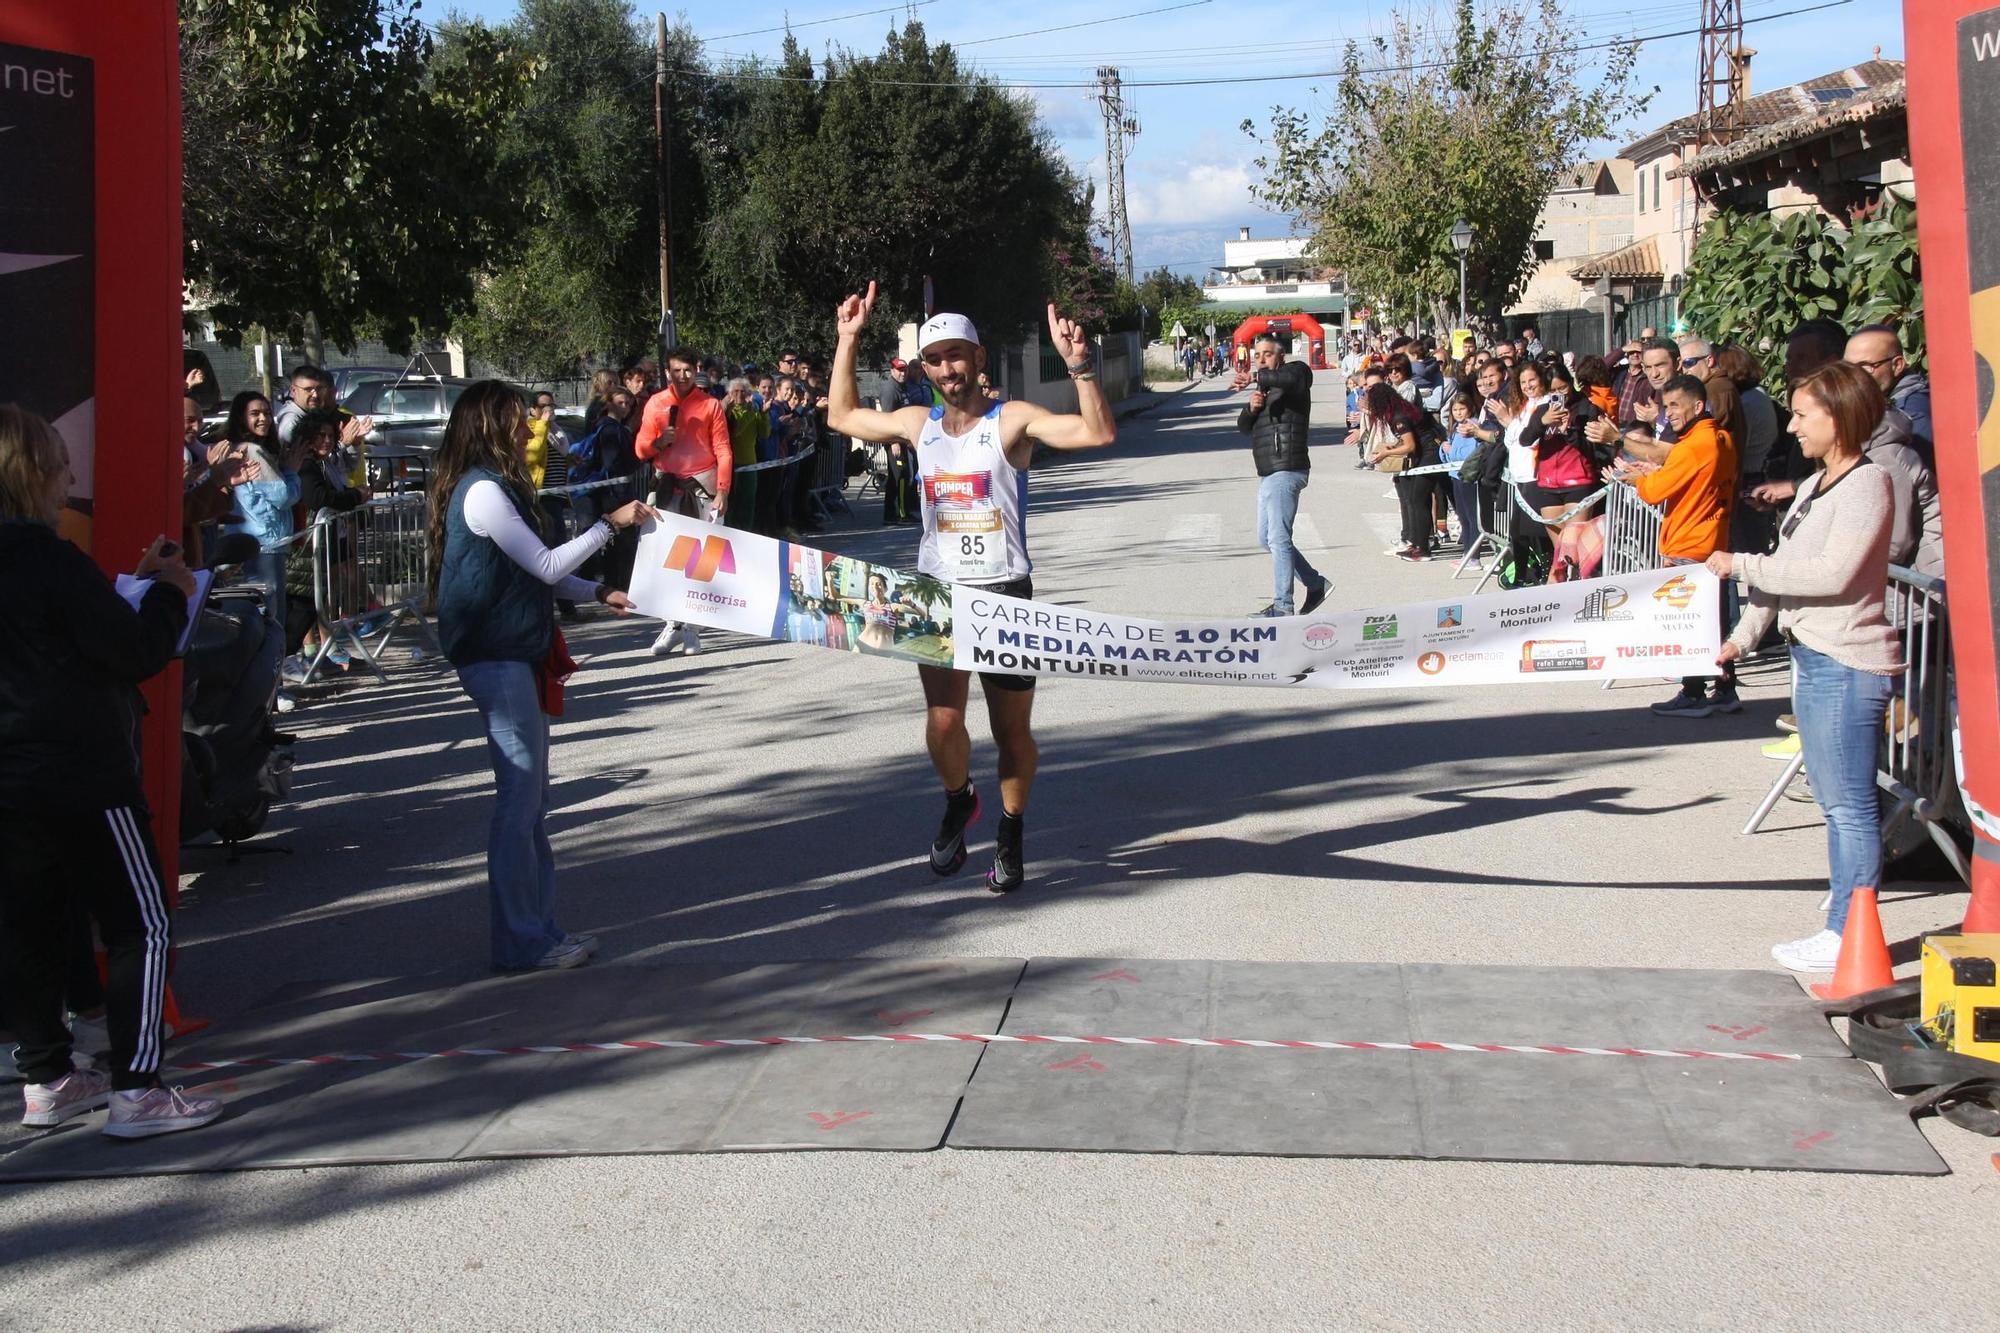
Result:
{"points": [[1276, 419]]}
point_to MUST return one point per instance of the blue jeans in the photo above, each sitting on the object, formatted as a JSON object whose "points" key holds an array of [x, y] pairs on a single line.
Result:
{"points": [[1277, 509], [267, 570], [1840, 712], [520, 865]]}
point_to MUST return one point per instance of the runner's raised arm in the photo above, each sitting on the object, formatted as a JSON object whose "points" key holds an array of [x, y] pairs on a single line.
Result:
{"points": [[1091, 426], [844, 413]]}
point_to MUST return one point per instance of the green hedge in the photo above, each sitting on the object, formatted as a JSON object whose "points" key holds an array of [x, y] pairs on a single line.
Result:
{"points": [[1754, 277]]}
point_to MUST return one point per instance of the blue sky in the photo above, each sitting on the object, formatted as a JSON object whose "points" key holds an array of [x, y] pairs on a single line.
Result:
{"points": [[1188, 173]]}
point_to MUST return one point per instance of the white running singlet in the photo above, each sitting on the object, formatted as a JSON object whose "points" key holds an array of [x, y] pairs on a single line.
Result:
{"points": [[975, 504]]}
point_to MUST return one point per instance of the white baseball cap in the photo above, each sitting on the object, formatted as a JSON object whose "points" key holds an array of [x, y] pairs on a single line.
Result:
{"points": [[944, 328]]}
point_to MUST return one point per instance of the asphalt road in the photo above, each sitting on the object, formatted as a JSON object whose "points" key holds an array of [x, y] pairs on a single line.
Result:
{"points": [[766, 803]]}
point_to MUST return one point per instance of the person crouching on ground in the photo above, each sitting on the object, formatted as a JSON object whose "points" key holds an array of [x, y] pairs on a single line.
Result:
{"points": [[497, 585], [74, 829], [1825, 587]]}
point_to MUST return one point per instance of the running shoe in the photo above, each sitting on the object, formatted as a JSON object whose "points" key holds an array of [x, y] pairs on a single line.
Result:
{"points": [[76, 1093], [1683, 704], [1315, 596], [1724, 700], [1007, 872], [960, 811], [1783, 749], [1271, 612], [1415, 555], [149, 1111], [587, 943], [572, 952], [1788, 722]]}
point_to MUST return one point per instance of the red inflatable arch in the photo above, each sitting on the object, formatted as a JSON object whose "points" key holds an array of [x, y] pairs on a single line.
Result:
{"points": [[1286, 328]]}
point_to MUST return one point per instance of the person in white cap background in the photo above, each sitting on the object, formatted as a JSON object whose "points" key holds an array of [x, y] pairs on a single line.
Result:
{"points": [[973, 456]]}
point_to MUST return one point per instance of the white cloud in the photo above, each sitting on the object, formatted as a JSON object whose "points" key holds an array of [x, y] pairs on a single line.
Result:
{"points": [[1066, 114], [1201, 192]]}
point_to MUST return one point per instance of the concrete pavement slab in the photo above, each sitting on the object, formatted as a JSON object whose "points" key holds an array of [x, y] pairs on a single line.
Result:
{"points": [[1822, 1111]]}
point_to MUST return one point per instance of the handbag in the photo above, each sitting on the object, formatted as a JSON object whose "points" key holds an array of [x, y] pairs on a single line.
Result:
{"points": [[1393, 463]]}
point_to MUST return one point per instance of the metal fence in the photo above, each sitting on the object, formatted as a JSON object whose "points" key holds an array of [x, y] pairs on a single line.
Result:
{"points": [[371, 569], [1915, 766], [1631, 532]]}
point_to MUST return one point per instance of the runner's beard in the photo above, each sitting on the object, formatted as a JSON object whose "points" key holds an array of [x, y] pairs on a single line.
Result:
{"points": [[965, 398]]}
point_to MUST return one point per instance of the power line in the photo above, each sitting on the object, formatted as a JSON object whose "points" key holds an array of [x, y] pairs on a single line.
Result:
{"points": [[1087, 23], [753, 76], [814, 23]]}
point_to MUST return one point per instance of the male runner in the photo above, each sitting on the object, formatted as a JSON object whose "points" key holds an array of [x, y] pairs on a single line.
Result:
{"points": [[972, 461]]}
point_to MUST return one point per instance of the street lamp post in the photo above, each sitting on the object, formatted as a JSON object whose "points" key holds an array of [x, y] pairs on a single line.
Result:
{"points": [[1461, 241]]}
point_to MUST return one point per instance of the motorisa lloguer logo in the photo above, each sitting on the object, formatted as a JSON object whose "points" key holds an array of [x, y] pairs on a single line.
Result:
{"points": [[1606, 603], [1320, 637], [1376, 629], [701, 559]]}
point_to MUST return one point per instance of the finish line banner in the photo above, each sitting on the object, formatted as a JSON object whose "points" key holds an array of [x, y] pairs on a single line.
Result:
{"points": [[1661, 623]]}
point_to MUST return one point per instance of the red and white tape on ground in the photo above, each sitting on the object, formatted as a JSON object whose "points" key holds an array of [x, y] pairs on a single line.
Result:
{"points": [[980, 1038]]}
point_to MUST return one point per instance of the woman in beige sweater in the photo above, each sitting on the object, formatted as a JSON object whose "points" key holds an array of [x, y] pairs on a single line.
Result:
{"points": [[1824, 586]]}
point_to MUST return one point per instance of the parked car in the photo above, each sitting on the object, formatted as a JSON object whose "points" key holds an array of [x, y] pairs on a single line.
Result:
{"points": [[410, 412]]}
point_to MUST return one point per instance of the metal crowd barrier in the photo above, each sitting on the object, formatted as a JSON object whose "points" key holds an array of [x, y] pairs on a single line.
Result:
{"points": [[1499, 538], [371, 577], [1631, 532], [1915, 767]]}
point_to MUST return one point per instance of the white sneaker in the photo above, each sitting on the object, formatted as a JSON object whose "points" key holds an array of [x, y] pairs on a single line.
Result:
{"points": [[669, 639], [572, 952], [691, 640], [76, 1093], [149, 1111], [587, 943], [1814, 953], [286, 702]]}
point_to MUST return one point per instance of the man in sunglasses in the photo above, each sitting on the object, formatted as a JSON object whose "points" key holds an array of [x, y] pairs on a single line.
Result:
{"points": [[1725, 404], [1878, 349]]}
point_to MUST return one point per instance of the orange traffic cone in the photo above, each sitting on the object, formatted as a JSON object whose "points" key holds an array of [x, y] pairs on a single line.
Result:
{"points": [[180, 1025], [1982, 914], [1864, 953]]}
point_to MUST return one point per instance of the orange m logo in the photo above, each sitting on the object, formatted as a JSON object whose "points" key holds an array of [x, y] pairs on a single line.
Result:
{"points": [[701, 559]]}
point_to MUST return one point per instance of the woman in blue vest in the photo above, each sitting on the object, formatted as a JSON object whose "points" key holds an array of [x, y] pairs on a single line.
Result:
{"points": [[497, 585]]}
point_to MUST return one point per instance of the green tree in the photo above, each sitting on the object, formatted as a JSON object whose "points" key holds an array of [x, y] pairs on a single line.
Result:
{"points": [[1475, 120], [1172, 298], [339, 169], [888, 166], [1754, 277], [581, 287]]}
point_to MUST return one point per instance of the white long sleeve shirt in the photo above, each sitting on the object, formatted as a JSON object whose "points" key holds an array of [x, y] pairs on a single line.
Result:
{"points": [[490, 514]]}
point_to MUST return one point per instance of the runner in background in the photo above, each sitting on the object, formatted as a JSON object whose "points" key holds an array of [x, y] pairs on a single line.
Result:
{"points": [[972, 463]]}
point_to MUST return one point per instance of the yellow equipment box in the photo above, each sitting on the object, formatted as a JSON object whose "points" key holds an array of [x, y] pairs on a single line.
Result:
{"points": [[1961, 994]]}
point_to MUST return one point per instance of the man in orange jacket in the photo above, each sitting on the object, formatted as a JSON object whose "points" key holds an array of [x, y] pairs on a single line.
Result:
{"points": [[692, 471], [1697, 484]]}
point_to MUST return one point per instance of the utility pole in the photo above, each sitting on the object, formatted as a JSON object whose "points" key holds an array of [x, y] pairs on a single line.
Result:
{"points": [[1118, 129], [669, 333], [1722, 69]]}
